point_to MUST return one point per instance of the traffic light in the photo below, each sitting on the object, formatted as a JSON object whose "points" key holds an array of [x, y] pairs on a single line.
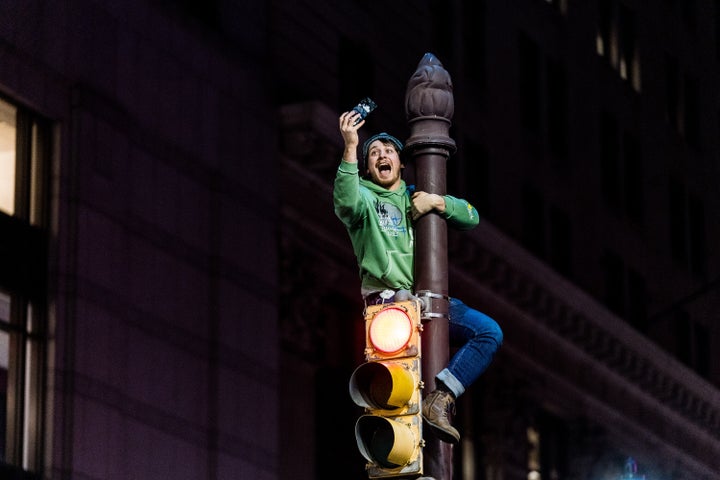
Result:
{"points": [[389, 434]]}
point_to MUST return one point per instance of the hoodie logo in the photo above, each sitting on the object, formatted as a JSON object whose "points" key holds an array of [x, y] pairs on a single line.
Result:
{"points": [[390, 218]]}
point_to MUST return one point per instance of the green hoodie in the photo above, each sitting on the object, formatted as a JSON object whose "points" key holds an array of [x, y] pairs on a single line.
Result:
{"points": [[377, 220]]}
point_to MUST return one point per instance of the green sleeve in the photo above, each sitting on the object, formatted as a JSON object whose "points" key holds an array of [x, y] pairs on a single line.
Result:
{"points": [[346, 194], [460, 213]]}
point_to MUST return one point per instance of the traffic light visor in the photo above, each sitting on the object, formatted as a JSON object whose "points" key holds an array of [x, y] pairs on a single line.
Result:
{"points": [[386, 442], [390, 330], [384, 385]]}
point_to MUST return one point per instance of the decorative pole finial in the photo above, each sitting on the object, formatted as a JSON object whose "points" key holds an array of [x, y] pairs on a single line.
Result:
{"points": [[430, 91], [430, 105]]}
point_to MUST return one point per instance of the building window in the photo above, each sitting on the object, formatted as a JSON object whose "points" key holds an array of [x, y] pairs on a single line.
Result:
{"points": [[468, 175], [543, 98], [633, 178], [625, 291], [689, 14], [716, 22], [205, 11], [530, 82], [533, 460], [561, 5], [24, 154], [616, 40], [8, 144], [533, 221], [691, 130], [560, 241], [557, 109], [717, 137], [473, 18], [692, 343], [547, 231], [682, 103], [687, 228], [547, 448], [609, 160], [672, 92], [443, 32], [621, 171]]}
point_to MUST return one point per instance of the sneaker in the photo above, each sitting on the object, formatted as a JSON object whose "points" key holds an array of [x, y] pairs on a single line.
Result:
{"points": [[435, 409]]}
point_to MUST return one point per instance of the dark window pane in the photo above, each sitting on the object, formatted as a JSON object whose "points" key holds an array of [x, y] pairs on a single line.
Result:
{"points": [[557, 108], [533, 222], [696, 220], [474, 40], [672, 91], [609, 161], [614, 283], [560, 242], [529, 70], [637, 301], [633, 178], [678, 222]]}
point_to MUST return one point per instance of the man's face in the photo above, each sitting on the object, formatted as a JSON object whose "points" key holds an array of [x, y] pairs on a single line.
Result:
{"points": [[384, 165]]}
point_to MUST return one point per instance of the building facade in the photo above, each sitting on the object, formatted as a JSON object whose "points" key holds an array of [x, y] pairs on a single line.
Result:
{"points": [[178, 300], [586, 138], [139, 318]]}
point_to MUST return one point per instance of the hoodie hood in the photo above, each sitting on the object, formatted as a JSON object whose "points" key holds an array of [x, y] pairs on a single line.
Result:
{"points": [[384, 192]]}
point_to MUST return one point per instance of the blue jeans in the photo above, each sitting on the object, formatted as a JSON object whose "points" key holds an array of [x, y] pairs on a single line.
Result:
{"points": [[478, 337]]}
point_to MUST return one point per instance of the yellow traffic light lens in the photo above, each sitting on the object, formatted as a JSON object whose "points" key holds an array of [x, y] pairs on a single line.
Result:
{"points": [[387, 442], [383, 385], [390, 330]]}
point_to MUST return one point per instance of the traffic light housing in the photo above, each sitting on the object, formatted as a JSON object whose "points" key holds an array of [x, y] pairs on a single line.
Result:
{"points": [[388, 386]]}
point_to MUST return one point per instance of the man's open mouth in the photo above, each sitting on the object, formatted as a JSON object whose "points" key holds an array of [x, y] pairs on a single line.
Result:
{"points": [[384, 168]]}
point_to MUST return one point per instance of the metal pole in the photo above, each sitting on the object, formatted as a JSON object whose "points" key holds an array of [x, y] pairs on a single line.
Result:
{"points": [[429, 106]]}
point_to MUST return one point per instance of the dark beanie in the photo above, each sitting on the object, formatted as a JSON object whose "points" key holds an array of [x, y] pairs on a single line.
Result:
{"points": [[385, 137]]}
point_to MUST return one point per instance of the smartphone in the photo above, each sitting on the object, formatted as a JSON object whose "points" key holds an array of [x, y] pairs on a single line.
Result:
{"points": [[364, 108]]}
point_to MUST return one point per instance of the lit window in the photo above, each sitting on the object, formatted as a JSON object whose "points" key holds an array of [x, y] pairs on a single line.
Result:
{"points": [[616, 41], [7, 157], [24, 142], [533, 459]]}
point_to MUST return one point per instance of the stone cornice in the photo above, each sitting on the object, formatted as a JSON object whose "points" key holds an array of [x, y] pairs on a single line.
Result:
{"points": [[559, 329]]}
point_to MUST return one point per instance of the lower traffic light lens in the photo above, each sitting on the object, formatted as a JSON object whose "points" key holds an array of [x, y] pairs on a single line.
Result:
{"points": [[386, 442], [381, 445]]}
